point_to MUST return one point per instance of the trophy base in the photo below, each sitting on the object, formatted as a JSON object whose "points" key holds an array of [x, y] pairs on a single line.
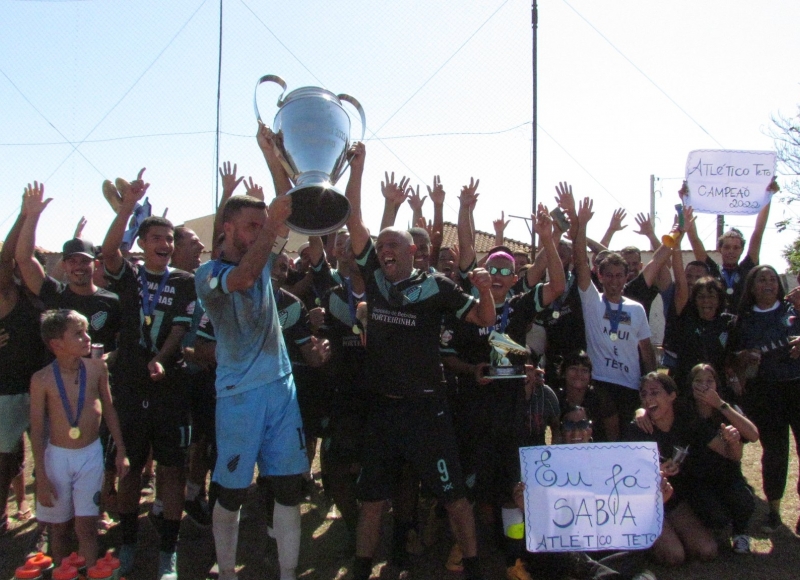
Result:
{"points": [[317, 209], [506, 372]]}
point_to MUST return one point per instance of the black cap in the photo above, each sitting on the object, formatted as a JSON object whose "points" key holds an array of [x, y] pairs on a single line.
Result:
{"points": [[78, 246]]}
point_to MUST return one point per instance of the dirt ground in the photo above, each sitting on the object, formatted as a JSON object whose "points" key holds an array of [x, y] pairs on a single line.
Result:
{"points": [[775, 556]]}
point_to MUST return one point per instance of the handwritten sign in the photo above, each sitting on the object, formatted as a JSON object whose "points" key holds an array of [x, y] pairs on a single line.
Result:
{"points": [[729, 182], [593, 496]]}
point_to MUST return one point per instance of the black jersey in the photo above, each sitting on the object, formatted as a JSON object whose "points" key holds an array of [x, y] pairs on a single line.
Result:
{"points": [[732, 280], [24, 353], [638, 290], [175, 306], [293, 317], [404, 327], [565, 330], [347, 365], [102, 309]]}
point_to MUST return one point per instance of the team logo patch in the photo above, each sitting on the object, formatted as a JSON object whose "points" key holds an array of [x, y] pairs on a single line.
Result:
{"points": [[412, 293], [233, 463], [283, 317], [99, 319]]}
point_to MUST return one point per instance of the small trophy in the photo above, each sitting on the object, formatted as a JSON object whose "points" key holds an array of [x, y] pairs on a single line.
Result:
{"points": [[501, 367]]}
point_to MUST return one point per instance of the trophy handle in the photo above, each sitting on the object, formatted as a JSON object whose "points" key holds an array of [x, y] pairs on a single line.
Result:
{"points": [[277, 80], [360, 109]]}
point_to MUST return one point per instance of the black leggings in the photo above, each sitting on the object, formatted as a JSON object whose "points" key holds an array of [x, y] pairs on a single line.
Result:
{"points": [[719, 505], [774, 408]]}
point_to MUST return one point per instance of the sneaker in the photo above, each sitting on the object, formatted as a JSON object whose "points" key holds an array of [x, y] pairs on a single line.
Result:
{"points": [[773, 522], [645, 575], [455, 561], [741, 544], [167, 566], [518, 571], [126, 555], [198, 511]]}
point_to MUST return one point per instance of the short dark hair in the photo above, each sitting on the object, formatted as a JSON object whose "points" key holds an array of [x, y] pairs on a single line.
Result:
{"points": [[54, 323], [699, 264], [576, 357], [731, 233], [237, 203], [612, 259], [421, 232], [627, 250], [154, 221], [708, 284], [663, 379], [181, 232]]}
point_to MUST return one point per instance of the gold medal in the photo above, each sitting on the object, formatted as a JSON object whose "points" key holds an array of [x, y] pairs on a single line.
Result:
{"points": [[148, 320], [213, 282], [556, 314], [317, 301], [613, 336], [356, 329], [729, 291], [74, 433]]}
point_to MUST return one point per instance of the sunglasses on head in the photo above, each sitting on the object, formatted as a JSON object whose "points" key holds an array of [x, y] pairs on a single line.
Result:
{"points": [[502, 271], [576, 425]]}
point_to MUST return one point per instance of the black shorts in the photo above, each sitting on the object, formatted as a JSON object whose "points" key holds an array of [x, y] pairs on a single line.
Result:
{"points": [[202, 404], [156, 418], [625, 400], [344, 432], [416, 431], [312, 398]]}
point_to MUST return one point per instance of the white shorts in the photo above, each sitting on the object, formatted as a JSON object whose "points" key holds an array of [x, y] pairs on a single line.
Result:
{"points": [[76, 476], [15, 411]]}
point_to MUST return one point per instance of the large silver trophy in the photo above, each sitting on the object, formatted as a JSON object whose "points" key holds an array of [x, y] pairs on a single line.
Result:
{"points": [[313, 135]]}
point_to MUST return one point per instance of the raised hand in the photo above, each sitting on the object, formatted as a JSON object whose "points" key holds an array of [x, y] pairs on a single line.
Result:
{"points": [[773, 186], [229, 181], [481, 279], [500, 225], [79, 228], [437, 192], [645, 225], [469, 193], [357, 155], [414, 199], [393, 192], [280, 208], [684, 190], [254, 189], [131, 193], [33, 202], [564, 197], [616, 220], [585, 212], [688, 217], [543, 223]]}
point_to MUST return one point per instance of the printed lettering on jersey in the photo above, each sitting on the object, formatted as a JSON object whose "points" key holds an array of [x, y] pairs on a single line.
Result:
{"points": [[394, 317], [99, 319]]}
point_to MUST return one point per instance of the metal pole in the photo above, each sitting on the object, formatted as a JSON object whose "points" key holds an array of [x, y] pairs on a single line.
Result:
{"points": [[534, 25], [653, 199], [720, 228]]}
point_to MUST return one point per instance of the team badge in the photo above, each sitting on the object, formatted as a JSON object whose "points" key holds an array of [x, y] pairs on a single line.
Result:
{"points": [[413, 293], [283, 316], [99, 319]]}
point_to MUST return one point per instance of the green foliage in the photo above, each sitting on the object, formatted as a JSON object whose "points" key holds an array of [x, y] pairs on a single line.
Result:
{"points": [[786, 133], [792, 255]]}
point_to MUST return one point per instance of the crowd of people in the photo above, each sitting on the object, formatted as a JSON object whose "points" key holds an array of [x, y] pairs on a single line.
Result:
{"points": [[379, 353]]}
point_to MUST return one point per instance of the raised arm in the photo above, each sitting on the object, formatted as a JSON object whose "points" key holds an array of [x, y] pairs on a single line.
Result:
{"points": [[394, 194], [582, 270], [466, 240], [556, 282], [500, 229], [754, 248], [615, 225], [645, 224], [359, 234], [130, 194], [272, 155], [653, 268], [698, 248], [229, 184], [437, 195], [416, 202], [681, 283], [30, 268], [7, 285]]}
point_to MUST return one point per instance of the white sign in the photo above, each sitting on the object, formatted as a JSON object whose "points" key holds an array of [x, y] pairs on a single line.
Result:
{"points": [[593, 496], [729, 182]]}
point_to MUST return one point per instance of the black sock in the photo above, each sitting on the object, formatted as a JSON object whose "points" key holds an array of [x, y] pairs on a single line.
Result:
{"points": [[362, 568], [130, 527], [514, 550], [472, 568], [169, 535], [399, 537]]}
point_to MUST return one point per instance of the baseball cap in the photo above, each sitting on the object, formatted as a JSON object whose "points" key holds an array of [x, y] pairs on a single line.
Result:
{"points": [[78, 246]]}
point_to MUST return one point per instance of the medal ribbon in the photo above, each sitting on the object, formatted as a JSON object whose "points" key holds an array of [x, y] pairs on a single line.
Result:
{"points": [[351, 303], [614, 318], [730, 278], [559, 302], [503, 319], [63, 392], [149, 302]]}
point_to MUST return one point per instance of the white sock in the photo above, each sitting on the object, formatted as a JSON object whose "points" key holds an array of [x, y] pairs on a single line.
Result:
{"points": [[513, 523], [192, 490], [226, 537], [286, 523]]}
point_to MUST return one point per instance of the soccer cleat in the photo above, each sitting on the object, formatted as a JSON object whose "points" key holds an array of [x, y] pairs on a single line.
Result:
{"points": [[455, 561], [518, 571], [741, 544], [773, 522], [167, 566]]}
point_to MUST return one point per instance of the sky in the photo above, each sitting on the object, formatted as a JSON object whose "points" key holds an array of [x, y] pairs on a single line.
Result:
{"points": [[96, 89]]}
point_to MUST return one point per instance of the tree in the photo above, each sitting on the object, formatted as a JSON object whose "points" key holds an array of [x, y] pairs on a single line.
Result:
{"points": [[786, 133]]}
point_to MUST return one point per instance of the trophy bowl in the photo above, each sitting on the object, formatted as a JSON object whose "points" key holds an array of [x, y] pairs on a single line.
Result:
{"points": [[313, 136]]}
